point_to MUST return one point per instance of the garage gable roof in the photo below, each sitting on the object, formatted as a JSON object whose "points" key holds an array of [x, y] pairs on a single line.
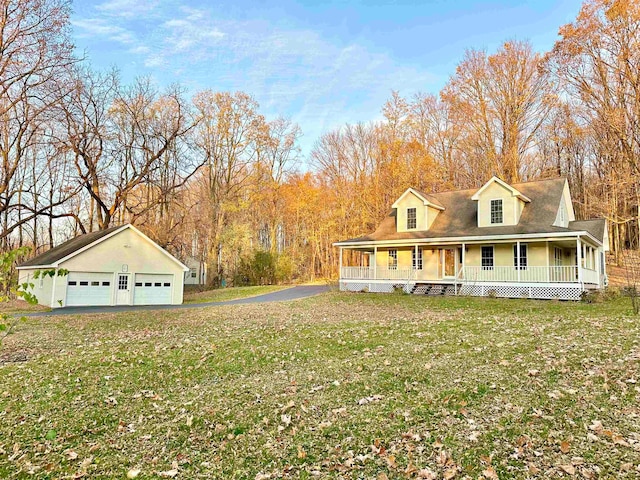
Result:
{"points": [[71, 248]]}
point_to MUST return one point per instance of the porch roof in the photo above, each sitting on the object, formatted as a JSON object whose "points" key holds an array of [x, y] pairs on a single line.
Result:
{"points": [[459, 219]]}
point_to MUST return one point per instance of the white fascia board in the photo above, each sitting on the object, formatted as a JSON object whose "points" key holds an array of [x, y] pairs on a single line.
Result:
{"points": [[494, 179], [158, 247], [425, 201], [35, 267], [476, 238]]}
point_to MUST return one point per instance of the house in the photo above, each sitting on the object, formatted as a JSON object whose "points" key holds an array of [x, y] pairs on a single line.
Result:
{"points": [[519, 240], [197, 274], [117, 266]]}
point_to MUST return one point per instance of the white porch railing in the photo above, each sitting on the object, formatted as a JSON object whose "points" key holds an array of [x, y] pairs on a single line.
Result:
{"points": [[553, 274], [590, 276], [474, 274], [381, 273], [356, 273]]}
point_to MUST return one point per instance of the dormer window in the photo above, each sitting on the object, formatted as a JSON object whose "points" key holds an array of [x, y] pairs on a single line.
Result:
{"points": [[496, 211], [411, 218]]}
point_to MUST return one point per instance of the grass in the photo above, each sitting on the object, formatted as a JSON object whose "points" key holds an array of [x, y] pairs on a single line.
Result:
{"points": [[335, 386], [224, 294], [20, 306]]}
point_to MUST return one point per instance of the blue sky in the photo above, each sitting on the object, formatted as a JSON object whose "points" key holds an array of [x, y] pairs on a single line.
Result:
{"points": [[322, 64]]}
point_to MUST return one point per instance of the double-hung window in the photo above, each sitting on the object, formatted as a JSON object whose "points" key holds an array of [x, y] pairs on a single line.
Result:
{"points": [[393, 260], [487, 258], [412, 222], [417, 259], [522, 257], [496, 211]]}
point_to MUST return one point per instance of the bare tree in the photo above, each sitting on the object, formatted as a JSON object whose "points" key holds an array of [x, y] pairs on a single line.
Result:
{"points": [[34, 54]]}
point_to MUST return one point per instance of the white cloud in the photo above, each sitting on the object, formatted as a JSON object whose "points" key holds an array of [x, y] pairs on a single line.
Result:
{"points": [[291, 71], [127, 8]]}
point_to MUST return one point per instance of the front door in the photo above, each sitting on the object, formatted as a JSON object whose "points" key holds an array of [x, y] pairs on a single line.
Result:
{"points": [[449, 263], [123, 294]]}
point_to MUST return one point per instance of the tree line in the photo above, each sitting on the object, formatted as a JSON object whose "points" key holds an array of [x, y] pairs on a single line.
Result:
{"points": [[207, 175]]}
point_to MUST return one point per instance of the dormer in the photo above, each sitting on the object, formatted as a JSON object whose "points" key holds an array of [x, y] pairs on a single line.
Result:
{"points": [[565, 209], [415, 211], [499, 204]]}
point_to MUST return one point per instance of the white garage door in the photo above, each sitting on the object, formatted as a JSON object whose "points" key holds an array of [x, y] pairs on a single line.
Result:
{"points": [[89, 288], [152, 289]]}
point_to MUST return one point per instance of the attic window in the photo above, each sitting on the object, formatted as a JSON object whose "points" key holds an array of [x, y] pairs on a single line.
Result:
{"points": [[496, 211], [411, 218]]}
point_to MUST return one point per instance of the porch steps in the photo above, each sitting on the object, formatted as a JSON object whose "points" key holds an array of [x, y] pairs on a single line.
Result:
{"points": [[433, 289]]}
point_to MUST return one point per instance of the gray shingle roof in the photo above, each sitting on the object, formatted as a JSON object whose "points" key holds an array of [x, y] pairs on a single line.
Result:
{"points": [[459, 219], [67, 248]]}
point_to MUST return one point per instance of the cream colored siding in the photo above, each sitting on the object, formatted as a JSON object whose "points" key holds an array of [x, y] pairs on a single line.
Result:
{"points": [[411, 201], [42, 293], [511, 206], [565, 208], [432, 213], [127, 251], [430, 264], [503, 254]]}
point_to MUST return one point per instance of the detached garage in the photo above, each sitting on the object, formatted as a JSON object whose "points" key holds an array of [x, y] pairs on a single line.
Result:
{"points": [[118, 266]]}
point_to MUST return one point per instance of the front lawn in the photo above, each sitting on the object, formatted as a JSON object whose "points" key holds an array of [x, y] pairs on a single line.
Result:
{"points": [[20, 306], [335, 386], [224, 294]]}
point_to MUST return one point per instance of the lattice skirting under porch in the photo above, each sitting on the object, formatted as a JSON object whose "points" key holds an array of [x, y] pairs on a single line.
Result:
{"points": [[375, 287], [544, 292]]}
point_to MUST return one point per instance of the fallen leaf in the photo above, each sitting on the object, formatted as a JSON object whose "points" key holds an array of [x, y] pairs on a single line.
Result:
{"points": [[450, 473], [301, 453], [570, 469], [133, 473], [427, 474], [565, 447], [169, 473], [490, 473]]}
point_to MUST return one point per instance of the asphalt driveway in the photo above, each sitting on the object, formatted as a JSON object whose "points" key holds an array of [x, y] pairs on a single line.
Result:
{"points": [[293, 293]]}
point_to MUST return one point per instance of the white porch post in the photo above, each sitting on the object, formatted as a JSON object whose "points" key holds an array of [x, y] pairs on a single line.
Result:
{"points": [[518, 259], [464, 247], [375, 261], [53, 287], [415, 267], [548, 261], [340, 265], [579, 258]]}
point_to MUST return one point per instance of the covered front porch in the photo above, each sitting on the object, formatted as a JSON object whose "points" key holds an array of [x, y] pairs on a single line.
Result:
{"points": [[541, 268]]}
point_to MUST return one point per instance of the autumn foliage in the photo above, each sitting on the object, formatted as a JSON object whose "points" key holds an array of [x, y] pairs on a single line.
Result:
{"points": [[209, 175]]}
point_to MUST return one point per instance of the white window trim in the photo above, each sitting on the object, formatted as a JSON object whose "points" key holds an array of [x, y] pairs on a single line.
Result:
{"points": [[493, 256], [417, 259], [491, 213], [416, 218], [519, 256], [389, 257]]}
